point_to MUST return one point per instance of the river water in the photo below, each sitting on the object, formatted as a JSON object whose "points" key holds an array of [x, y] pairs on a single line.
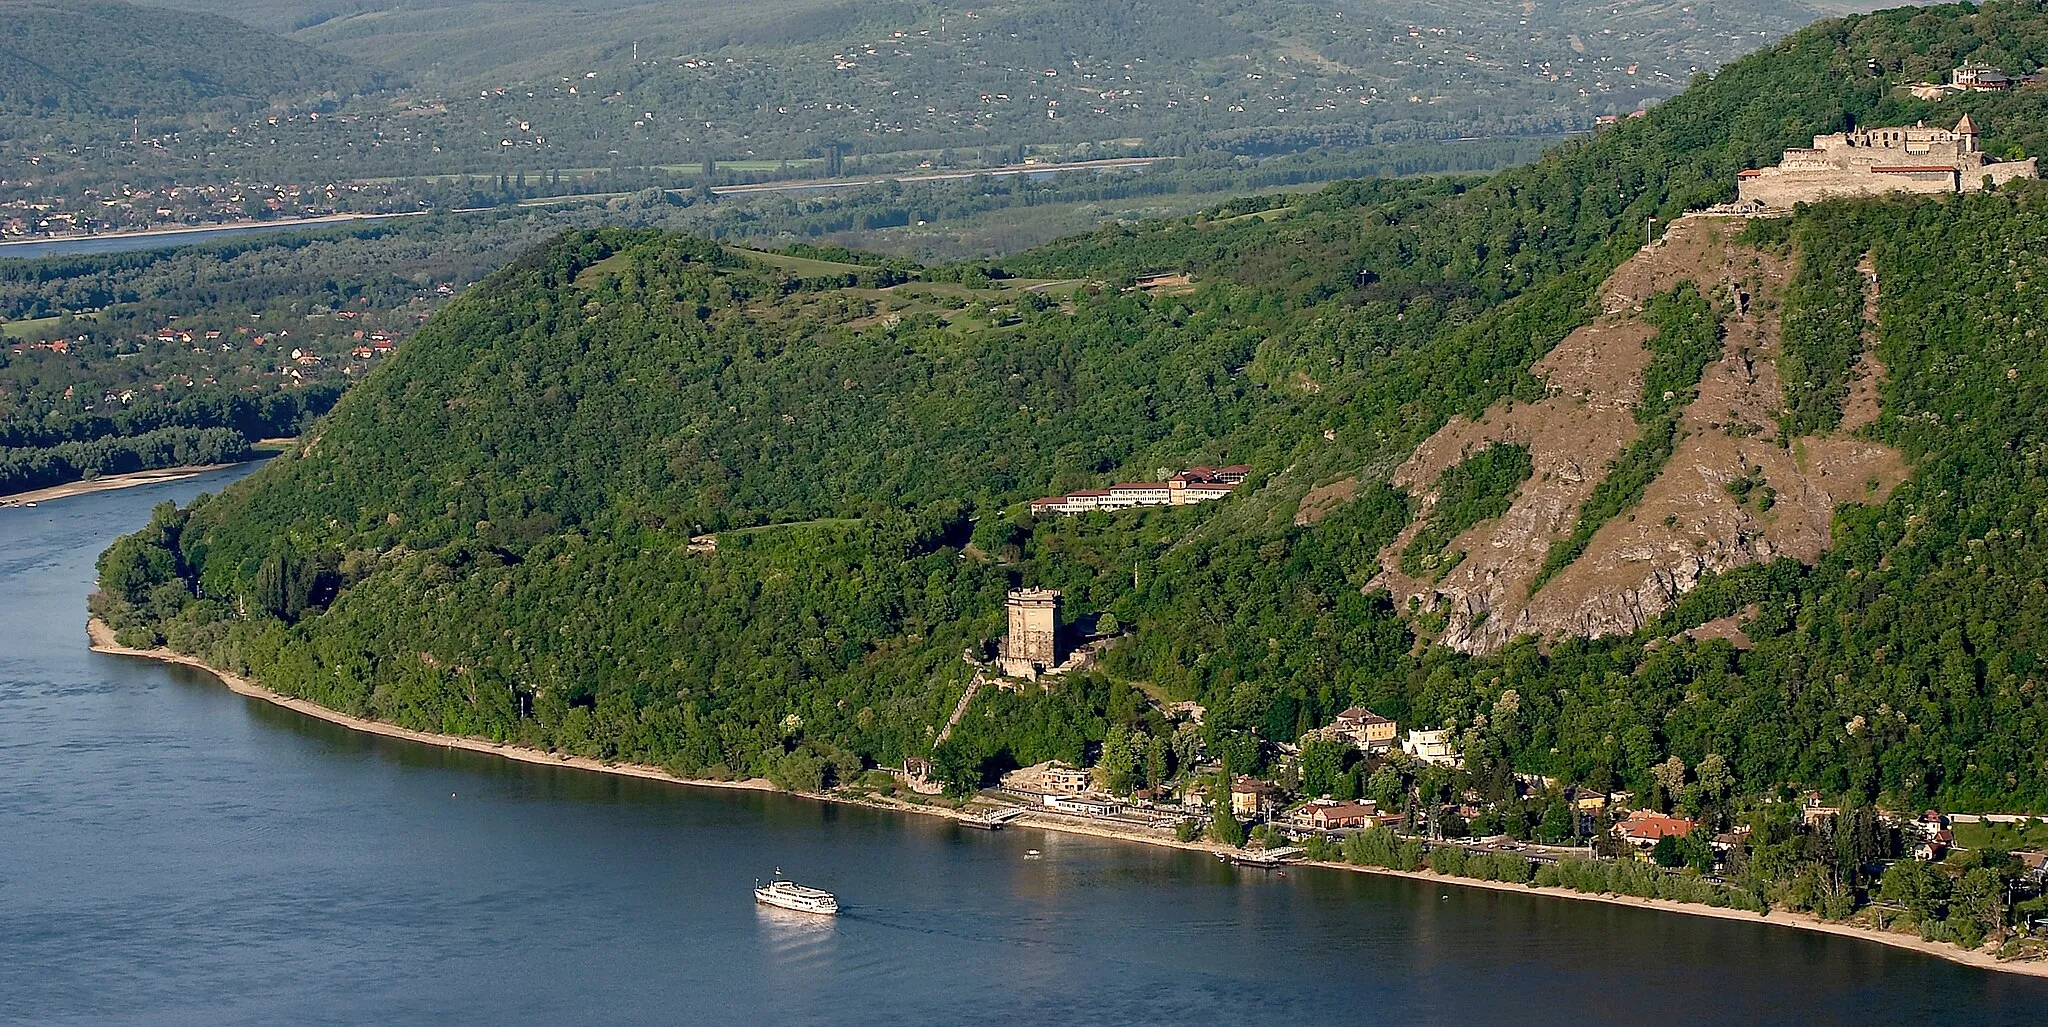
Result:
{"points": [[123, 242], [173, 853]]}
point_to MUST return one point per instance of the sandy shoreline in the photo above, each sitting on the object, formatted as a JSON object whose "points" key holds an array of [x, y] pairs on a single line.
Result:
{"points": [[102, 640], [110, 482]]}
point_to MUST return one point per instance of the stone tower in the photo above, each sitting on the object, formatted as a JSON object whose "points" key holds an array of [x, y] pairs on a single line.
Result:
{"points": [[1032, 645]]}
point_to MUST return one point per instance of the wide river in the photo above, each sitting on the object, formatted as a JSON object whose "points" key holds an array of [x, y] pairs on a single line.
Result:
{"points": [[173, 853]]}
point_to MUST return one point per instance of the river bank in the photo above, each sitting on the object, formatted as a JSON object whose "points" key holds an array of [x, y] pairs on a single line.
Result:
{"points": [[109, 482], [262, 450], [177, 230], [102, 641]]}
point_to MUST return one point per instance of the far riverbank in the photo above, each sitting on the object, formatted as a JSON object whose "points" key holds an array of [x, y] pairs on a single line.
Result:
{"points": [[164, 238], [102, 641], [262, 450], [109, 482]]}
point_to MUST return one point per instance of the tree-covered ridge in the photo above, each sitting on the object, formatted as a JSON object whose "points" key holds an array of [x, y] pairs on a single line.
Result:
{"points": [[102, 59], [506, 509]]}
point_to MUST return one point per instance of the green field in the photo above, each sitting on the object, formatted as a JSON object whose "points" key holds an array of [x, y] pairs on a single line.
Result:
{"points": [[34, 327], [2006, 837], [806, 266]]}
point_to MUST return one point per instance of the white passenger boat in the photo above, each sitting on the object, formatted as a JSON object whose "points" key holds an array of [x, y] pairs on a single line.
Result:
{"points": [[791, 895]]}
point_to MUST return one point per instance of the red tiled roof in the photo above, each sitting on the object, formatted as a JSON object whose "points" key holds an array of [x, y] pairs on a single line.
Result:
{"points": [[1751, 173], [1648, 826]]}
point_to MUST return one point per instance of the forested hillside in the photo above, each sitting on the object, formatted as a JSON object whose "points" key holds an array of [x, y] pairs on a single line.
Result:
{"points": [[540, 87], [492, 535], [98, 61]]}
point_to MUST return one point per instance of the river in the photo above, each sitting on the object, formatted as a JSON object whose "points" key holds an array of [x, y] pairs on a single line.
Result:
{"points": [[173, 853], [123, 242]]}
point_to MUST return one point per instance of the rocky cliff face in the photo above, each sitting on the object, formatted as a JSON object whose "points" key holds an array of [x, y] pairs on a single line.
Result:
{"points": [[1690, 522]]}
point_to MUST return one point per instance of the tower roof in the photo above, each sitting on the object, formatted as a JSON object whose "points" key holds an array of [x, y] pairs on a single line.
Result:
{"points": [[1966, 126]]}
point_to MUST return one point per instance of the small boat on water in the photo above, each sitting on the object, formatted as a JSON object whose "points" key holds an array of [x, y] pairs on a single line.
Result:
{"points": [[791, 895]]}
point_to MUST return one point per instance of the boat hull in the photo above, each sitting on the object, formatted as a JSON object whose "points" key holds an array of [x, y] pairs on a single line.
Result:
{"points": [[819, 905]]}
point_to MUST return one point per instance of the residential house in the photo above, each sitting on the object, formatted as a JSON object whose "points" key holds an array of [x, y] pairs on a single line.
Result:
{"points": [[1645, 828], [1432, 747], [2033, 865], [1934, 846], [1363, 728], [1251, 798], [1324, 815]]}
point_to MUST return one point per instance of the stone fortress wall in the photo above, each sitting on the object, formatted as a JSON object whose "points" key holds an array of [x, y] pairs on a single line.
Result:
{"points": [[1864, 162]]}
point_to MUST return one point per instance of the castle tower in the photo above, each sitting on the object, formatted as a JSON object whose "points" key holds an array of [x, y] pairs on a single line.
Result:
{"points": [[1032, 645], [1966, 135]]}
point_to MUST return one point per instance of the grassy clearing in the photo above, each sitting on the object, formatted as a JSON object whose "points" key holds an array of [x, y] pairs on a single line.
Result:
{"points": [[2007, 837], [36, 327], [589, 277], [821, 522], [803, 266]]}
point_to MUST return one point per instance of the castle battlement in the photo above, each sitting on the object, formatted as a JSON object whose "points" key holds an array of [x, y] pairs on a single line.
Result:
{"points": [[1871, 161]]}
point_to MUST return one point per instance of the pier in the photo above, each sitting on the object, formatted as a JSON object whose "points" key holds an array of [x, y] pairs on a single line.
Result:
{"points": [[1264, 859], [993, 821]]}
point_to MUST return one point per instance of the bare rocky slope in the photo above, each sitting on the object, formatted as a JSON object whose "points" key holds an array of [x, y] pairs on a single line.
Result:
{"points": [[1689, 522]]}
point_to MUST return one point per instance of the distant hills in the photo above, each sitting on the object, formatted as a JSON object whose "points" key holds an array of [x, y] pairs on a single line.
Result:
{"points": [[116, 61], [630, 81]]}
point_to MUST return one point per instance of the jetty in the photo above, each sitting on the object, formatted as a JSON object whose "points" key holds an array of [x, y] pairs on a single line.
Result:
{"points": [[1263, 858], [993, 821]]}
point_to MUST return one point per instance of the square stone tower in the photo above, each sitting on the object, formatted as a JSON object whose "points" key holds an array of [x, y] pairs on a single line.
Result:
{"points": [[1032, 645]]}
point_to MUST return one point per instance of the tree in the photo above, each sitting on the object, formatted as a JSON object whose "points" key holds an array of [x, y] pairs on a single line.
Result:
{"points": [[1225, 827], [1386, 786], [1187, 746], [1119, 761], [1670, 774], [1714, 778], [1558, 822], [1912, 884], [1322, 763], [1979, 897], [1158, 765], [1665, 853], [956, 768], [1695, 851]]}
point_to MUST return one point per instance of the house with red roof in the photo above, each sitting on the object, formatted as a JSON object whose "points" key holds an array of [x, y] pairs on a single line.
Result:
{"points": [[1645, 828]]}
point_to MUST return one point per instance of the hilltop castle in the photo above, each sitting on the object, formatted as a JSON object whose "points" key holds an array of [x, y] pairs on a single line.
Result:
{"points": [[1869, 161]]}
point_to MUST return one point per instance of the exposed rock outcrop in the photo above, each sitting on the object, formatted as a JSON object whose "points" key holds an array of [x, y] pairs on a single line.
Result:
{"points": [[1690, 522]]}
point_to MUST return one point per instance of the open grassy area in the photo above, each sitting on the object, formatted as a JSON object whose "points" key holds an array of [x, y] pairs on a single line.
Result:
{"points": [[804, 266], [2007, 837], [590, 276], [821, 522], [34, 328]]}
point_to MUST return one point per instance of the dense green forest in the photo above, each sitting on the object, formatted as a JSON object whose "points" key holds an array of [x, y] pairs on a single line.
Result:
{"points": [[491, 534], [92, 62]]}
